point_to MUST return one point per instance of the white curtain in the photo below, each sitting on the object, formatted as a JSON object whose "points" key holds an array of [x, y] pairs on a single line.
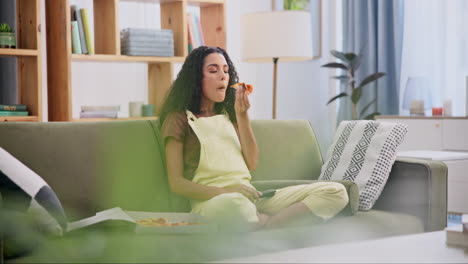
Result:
{"points": [[435, 46]]}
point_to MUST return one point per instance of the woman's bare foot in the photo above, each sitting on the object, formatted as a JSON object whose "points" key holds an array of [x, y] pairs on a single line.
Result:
{"points": [[285, 215], [262, 220]]}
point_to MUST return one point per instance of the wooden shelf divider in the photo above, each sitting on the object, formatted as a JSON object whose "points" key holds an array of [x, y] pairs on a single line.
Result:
{"points": [[18, 118], [19, 52]]}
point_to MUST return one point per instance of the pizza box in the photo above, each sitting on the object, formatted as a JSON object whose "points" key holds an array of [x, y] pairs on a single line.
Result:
{"points": [[202, 226]]}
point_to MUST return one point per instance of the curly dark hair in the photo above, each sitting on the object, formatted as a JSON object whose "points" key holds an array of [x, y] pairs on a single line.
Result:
{"points": [[186, 90]]}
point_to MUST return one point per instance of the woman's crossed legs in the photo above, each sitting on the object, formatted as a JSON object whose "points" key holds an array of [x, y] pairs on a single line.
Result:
{"points": [[320, 200]]}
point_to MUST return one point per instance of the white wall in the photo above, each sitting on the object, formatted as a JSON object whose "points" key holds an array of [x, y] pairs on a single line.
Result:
{"points": [[303, 87]]}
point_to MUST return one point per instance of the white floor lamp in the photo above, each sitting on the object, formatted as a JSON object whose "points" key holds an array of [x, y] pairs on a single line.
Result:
{"points": [[276, 36]]}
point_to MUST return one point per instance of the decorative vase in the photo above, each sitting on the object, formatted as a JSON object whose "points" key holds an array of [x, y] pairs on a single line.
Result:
{"points": [[7, 40], [417, 97]]}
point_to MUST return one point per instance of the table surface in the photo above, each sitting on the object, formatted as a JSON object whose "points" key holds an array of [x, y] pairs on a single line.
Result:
{"points": [[433, 155], [422, 248], [419, 117]]}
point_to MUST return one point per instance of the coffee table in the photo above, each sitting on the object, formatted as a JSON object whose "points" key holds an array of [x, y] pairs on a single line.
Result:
{"points": [[421, 248]]}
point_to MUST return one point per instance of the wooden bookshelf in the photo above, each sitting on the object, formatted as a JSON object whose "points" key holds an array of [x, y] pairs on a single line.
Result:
{"points": [[28, 56], [107, 47]]}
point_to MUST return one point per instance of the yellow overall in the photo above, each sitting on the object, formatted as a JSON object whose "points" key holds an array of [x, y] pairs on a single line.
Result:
{"points": [[222, 164]]}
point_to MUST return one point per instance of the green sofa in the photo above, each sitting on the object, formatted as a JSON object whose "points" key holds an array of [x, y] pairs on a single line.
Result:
{"points": [[93, 166]]}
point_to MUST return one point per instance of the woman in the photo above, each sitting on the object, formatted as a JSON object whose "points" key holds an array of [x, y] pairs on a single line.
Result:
{"points": [[210, 149]]}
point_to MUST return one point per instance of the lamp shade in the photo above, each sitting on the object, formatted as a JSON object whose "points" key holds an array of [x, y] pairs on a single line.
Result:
{"points": [[417, 94], [285, 35]]}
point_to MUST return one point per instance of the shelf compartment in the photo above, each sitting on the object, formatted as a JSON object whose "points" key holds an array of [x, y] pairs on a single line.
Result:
{"points": [[29, 85], [124, 58], [19, 118], [18, 52]]}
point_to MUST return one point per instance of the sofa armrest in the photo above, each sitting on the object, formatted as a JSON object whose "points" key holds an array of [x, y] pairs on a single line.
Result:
{"points": [[417, 187]]}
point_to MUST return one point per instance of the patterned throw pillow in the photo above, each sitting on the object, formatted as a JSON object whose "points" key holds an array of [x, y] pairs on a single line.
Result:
{"points": [[23, 190], [364, 152]]}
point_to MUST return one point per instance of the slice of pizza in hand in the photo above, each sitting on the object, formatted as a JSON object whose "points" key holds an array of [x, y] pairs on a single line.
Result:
{"points": [[248, 87]]}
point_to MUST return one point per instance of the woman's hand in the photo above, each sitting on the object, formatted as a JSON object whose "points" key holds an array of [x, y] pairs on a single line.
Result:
{"points": [[242, 103], [245, 190]]}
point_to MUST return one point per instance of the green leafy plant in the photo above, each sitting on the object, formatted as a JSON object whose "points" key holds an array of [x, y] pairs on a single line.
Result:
{"points": [[4, 27], [350, 63], [295, 4]]}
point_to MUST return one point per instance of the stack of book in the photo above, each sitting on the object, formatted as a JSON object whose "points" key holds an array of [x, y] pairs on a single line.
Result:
{"points": [[457, 235], [110, 111], [195, 32], [13, 110], [147, 42], [82, 42]]}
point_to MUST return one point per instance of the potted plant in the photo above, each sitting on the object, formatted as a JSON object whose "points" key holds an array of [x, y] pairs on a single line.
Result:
{"points": [[7, 36], [295, 4], [350, 64]]}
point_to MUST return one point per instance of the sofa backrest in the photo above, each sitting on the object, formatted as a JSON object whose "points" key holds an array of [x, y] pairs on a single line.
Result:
{"points": [[288, 150], [94, 166]]}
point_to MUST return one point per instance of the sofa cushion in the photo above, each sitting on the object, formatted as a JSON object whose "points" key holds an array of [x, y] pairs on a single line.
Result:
{"points": [[363, 225], [364, 152], [351, 188], [167, 248], [23, 190]]}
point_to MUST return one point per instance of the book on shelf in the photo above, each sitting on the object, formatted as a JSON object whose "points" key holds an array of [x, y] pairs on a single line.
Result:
{"points": [[76, 45], [456, 237], [191, 37], [199, 31], [12, 107], [146, 33], [465, 223], [85, 108], [196, 34], [148, 52], [98, 114], [147, 42], [76, 14], [87, 30], [14, 113]]}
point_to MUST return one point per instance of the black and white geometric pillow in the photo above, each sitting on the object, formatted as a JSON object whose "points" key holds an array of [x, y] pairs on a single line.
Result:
{"points": [[364, 152], [24, 190]]}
